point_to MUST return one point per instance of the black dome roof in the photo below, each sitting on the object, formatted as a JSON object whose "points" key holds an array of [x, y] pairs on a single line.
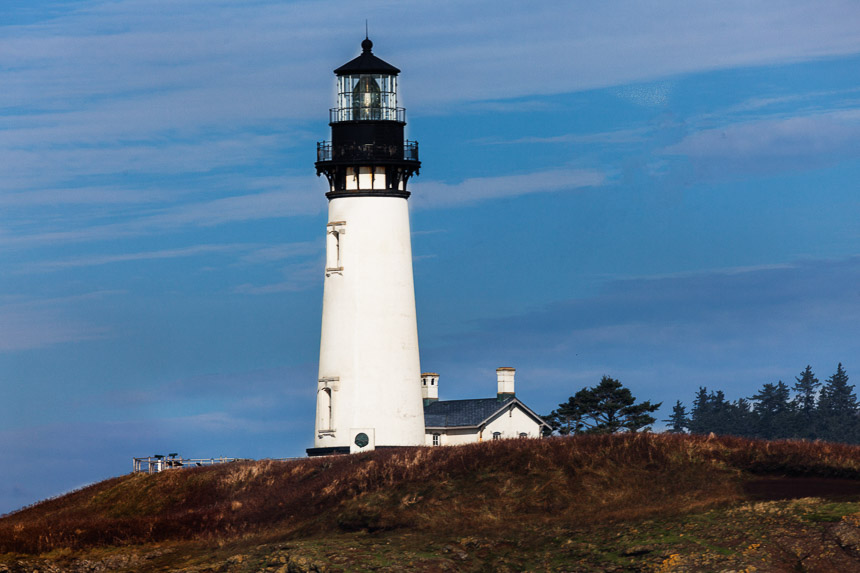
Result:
{"points": [[367, 63]]}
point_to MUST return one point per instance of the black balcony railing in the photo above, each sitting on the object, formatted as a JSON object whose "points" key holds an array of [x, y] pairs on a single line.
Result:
{"points": [[361, 113], [367, 152]]}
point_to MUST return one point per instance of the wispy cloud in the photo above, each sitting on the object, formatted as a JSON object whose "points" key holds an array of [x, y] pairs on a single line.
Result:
{"points": [[187, 89], [437, 194], [240, 48], [251, 206], [618, 136], [782, 143], [20, 330], [281, 252], [656, 94], [727, 328], [246, 253], [85, 195], [27, 323], [97, 260], [284, 197], [616, 43], [809, 102], [297, 277], [728, 308]]}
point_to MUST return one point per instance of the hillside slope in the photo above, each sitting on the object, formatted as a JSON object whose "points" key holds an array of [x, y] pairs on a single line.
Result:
{"points": [[641, 502]]}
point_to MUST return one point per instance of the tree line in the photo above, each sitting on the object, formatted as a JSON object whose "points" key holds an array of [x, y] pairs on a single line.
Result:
{"points": [[809, 409]]}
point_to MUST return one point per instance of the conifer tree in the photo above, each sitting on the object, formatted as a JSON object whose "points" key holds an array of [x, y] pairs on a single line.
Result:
{"points": [[713, 413], [837, 408], [744, 420], [678, 421], [773, 411], [805, 389], [832, 414], [606, 408], [703, 413], [560, 422]]}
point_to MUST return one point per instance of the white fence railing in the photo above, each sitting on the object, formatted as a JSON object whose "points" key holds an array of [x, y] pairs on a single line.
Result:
{"points": [[155, 464]]}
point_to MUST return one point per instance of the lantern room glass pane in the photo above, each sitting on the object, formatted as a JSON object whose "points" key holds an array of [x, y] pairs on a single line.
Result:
{"points": [[366, 97]]}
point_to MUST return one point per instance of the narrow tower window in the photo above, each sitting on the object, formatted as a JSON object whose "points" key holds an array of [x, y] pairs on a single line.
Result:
{"points": [[332, 253], [334, 247], [325, 409]]}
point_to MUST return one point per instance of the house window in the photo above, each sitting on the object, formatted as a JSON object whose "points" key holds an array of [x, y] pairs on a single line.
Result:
{"points": [[436, 439], [523, 435], [497, 435]]}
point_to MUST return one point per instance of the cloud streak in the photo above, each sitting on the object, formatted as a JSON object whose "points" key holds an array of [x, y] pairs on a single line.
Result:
{"points": [[729, 328], [283, 197], [27, 324], [91, 261], [435, 194], [774, 144]]}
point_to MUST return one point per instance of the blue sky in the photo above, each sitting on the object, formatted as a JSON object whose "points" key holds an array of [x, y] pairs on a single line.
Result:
{"points": [[666, 194]]}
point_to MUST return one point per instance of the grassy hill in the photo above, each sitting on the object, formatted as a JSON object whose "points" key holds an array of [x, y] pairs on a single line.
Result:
{"points": [[641, 502]]}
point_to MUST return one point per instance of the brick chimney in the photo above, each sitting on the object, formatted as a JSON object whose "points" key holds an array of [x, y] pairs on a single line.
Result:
{"points": [[429, 387], [505, 376]]}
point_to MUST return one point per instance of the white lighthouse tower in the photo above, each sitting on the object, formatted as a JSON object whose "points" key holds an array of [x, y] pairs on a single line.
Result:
{"points": [[369, 386]]}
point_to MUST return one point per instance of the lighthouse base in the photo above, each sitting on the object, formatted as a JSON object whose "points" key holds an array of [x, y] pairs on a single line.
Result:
{"points": [[331, 451]]}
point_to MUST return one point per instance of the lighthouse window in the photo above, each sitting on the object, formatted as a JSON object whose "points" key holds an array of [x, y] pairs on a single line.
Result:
{"points": [[366, 101], [325, 409], [366, 97], [333, 247], [332, 254]]}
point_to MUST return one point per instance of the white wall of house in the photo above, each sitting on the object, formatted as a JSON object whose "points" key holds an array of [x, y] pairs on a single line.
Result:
{"points": [[452, 436], [456, 437], [511, 424]]}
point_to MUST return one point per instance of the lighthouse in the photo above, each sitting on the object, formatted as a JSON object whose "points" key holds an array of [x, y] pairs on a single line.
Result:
{"points": [[369, 384]]}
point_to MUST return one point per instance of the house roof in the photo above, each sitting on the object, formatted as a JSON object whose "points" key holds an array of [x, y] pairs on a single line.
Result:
{"points": [[469, 413]]}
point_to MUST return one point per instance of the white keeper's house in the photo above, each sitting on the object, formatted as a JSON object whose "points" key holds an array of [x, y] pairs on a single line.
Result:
{"points": [[370, 391], [453, 422]]}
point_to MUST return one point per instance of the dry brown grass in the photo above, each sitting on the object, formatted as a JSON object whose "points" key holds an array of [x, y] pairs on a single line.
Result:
{"points": [[570, 481]]}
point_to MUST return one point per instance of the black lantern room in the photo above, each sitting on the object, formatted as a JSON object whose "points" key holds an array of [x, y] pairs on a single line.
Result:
{"points": [[367, 155]]}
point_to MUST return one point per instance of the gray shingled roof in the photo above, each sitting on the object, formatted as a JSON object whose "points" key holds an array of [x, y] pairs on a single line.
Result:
{"points": [[448, 413]]}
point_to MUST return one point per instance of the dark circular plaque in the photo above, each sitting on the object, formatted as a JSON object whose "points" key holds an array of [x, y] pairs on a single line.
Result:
{"points": [[361, 440]]}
